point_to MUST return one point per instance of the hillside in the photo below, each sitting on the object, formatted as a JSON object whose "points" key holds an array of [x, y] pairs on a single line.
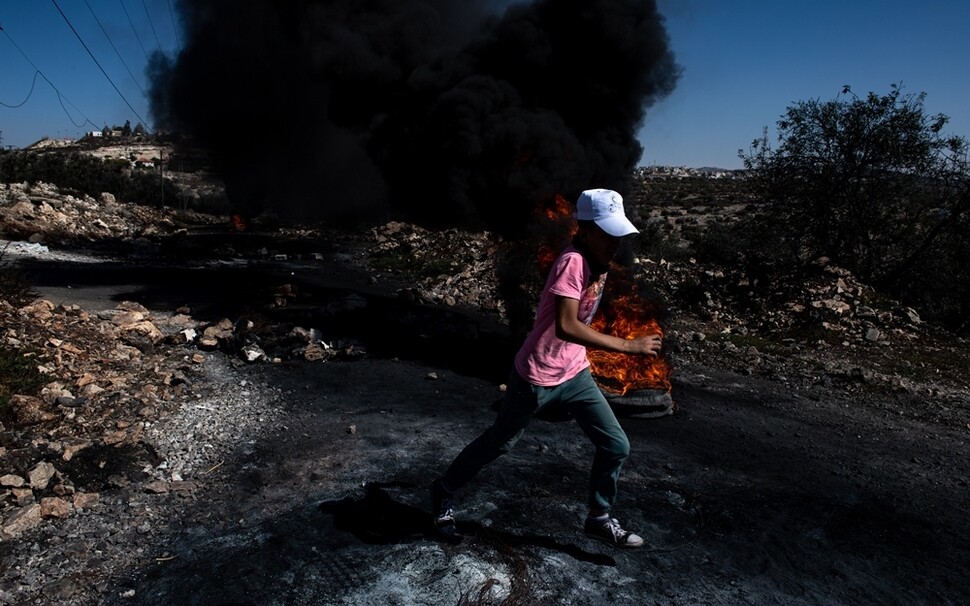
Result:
{"points": [[273, 400]]}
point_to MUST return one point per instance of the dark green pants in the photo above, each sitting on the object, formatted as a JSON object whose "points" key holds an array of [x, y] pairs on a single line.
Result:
{"points": [[582, 398]]}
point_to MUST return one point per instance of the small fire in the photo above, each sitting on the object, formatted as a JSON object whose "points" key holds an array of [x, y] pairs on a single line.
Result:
{"points": [[237, 223], [562, 228], [627, 316], [623, 313]]}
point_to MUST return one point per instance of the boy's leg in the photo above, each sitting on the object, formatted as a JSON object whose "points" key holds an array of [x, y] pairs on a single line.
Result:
{"points": [[594, 415], [596, 418], [518, 406]]}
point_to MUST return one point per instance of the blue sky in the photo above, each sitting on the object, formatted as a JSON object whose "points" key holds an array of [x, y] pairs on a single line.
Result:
{"points": [[83, 90], [744, 62]]}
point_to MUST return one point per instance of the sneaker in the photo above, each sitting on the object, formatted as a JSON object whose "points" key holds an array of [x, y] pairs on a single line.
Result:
{"points": [[609, 531], [443, 513]]}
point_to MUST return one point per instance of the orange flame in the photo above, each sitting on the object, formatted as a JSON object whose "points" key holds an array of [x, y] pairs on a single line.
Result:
{"points": [[563, 227], [237, 223], [625, 315]]}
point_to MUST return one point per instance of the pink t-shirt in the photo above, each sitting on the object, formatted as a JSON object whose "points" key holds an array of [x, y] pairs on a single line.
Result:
{"points": [[545, 359]]}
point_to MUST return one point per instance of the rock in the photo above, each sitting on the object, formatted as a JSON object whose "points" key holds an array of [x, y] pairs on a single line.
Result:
{"points": [[70, 402], [12, 481], [252, 353], [61, 589], [208, 343], [911, 315], [157, 487], [316, 351], [23, 496], [30, 410], [63, 490], [115, 438], [144, 328], [86, 500], [41, 475], [22, 519], [54, 507], [73, 448]]}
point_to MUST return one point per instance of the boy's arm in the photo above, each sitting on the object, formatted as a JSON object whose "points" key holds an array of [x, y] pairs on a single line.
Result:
{"points": [[569, 328]]}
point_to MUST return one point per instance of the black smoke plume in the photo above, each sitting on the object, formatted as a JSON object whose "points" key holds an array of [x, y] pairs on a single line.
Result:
{"points": [[456, 113]]}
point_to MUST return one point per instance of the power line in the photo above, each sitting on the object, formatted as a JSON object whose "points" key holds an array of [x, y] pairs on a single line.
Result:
{"points": [[32, 84], [140, 119], [60, 97], [152, 23], [114, 48], [175, 26], [134, 31]]}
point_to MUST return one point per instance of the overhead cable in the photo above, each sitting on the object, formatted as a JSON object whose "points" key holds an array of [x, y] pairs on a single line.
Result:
{"points": [[32, 84], [60, 97], [93, 58], [152, 23], [134, 31], [114, 48], [175, 26]]}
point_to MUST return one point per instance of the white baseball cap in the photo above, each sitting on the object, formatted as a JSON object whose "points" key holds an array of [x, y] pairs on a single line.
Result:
{"points": [[605, 208]]}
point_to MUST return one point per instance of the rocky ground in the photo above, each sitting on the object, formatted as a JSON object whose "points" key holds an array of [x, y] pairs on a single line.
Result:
{"points": [[251, 418]]}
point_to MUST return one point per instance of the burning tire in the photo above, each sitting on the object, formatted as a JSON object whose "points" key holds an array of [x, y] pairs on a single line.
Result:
{"points": [[641, 403]]}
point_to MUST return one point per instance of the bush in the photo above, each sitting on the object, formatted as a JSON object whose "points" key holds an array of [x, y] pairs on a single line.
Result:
{"points": [[874, 184], [82, 174], [18, 376], [14, 286]]}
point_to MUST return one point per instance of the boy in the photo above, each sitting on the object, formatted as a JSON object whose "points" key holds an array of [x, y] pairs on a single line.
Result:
{"points": [[551, 369]]}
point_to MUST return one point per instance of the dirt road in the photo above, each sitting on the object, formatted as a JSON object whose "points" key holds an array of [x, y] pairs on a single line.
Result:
{"points": [[755, 491], [752, 493]]}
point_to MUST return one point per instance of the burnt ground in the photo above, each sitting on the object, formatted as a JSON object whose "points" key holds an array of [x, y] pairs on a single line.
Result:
{"points": [[756, 491], [750, 494]]}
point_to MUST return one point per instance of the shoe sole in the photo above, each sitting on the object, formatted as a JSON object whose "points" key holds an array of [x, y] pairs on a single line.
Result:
{"points": [[614, 543]]}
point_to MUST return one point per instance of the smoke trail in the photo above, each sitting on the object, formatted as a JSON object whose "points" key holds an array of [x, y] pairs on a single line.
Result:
{"points": [[439, 112]]}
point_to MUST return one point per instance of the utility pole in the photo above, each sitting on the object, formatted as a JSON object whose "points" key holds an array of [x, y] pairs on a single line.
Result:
{"points": [[161, 172]]}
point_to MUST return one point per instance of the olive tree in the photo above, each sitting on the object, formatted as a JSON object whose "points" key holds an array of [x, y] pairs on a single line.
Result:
{"points": [[871, 182]]}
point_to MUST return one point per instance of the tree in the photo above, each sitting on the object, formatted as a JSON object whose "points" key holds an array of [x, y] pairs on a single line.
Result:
{"points": [[871, 182], [126, 129]]}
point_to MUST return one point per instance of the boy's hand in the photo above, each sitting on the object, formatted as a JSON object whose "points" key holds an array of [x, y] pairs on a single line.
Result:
{"points": [[647, 345]]}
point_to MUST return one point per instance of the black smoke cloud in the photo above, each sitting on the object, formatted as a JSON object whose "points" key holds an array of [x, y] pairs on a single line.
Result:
{"points": [[441, 112]]}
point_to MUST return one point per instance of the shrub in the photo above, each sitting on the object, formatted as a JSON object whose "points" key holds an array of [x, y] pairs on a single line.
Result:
{"points": [[14, 286], [18, 375]]}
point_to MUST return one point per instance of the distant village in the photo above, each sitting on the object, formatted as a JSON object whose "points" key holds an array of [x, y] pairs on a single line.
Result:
{"points": [[685, 172], [133, 145]]}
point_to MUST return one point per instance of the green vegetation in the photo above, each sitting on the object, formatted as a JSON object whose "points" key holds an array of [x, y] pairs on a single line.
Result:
{"points": [[15, 288], [873, 184], [18, 371], [82, 174], [18, 375], [764, 344], [410, 266]]}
